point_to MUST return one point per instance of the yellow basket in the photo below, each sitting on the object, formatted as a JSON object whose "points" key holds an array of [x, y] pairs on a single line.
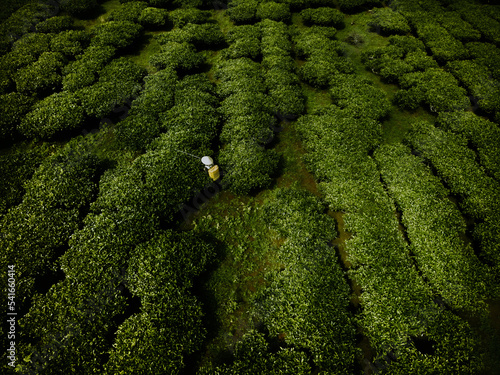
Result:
{"points": [[214, 172]]}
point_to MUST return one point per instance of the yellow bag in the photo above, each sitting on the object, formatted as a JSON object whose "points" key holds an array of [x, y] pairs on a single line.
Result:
{"points": [[214, 172]]}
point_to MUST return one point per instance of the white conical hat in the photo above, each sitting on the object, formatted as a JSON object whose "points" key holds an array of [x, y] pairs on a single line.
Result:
{"points": [[207, 160]]}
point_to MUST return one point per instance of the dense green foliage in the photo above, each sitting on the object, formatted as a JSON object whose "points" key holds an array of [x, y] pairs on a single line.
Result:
{"points": [[388, 21], [435, 87], [446, 151], [478, 80], [79, 7], [180, 56], [84, 71], [13, 107], [358, 97], [242, 11], [118, 34], [17, 168], [435, 228], [323, 16], [55, 24], [153, 17], [324, 57], [282, 83], [273, 11], [483, 134], [247, 163], [130, 11], [182, 16], [160, 273], [38, 229], [244, 41], [55, 113], [312, 274], [206, 35], [258, 278], [252, 355], [43, 76], [70, 42], [398, 305], [351, 5]]}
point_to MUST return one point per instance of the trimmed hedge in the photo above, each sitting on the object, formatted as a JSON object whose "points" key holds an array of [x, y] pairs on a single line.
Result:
{"points": [[17, 168], [389, 22], [437, 88], [56, 113], [70, 42], [157, 95], [181, 56], [479, 82], [122, 69], [323, 16], [33, 44], [182, 16], [42, 76], [249, 166], [274, 11], [242, 11], [457, 27], [83, 71], [118, 34], [162, 282], [99, 99], [483, 134], [204, 36], [444, 47], [130, 11], [359, 97], [351, 5], [13, 108], [79, 7], [435, 227], [55, 24], [486, 54], [153, 17]]}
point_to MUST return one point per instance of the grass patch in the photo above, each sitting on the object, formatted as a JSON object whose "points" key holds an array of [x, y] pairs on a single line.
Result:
{"points": [[315, 99], [398, 123], [222, 20], [148, 46], [238, 223]]}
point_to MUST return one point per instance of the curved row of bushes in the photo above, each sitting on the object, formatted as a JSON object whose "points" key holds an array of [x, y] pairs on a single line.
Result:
{"points": [[435, 228], [479, 193], [398, 306], [311, 275], [246, 113], [324, 57], [484, 136], [479, 82], [284, 91]]}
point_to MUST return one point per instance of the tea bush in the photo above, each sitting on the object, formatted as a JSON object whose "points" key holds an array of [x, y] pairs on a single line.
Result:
{"points": [[43, 76], [70, 42], [182, 56], [118, 34], [153, 17], [323, 16], [13, 107], [55, 24], [130, 11], [56, 113], [274, 11]]}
